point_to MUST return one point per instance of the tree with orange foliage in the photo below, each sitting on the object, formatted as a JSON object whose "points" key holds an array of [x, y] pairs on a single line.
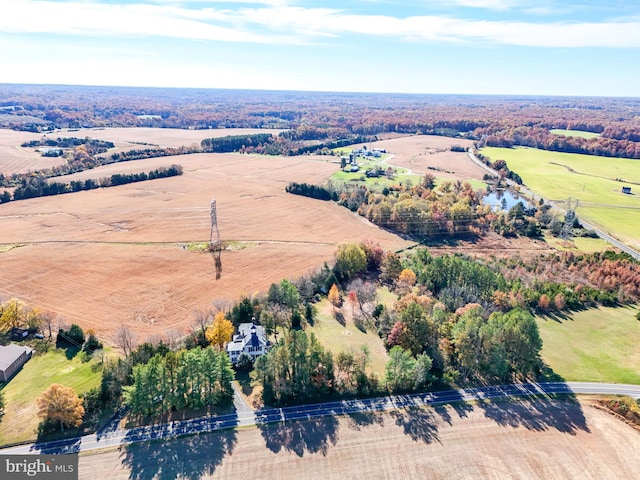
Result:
{"points": [[61, 404]]}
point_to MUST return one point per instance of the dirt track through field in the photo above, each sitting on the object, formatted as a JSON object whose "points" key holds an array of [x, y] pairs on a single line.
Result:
{"points": [[522, 440]]}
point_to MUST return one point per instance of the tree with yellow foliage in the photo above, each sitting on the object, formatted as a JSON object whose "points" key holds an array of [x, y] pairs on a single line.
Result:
{"points": [[406, 280], [61, 404], [220, 331], [334, 296]]}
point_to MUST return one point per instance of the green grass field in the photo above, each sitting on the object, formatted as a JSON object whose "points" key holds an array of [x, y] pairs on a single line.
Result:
{"points": [[596, 345], [338, 338], [590, 179], [20, 421], [574, 133]]}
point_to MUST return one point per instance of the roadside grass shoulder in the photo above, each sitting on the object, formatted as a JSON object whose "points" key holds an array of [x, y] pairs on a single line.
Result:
{"points": [[20, 421], [595, 345], [578, 244]]}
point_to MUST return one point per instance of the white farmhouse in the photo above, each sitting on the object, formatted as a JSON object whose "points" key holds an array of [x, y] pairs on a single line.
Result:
{"points": [[250, 339]]}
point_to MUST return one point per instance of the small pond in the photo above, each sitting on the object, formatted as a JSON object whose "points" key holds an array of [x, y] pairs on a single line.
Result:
{"points": [[503, 200]]}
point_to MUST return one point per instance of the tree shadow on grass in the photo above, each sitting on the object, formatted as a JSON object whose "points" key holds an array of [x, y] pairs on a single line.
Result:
{"points": [[309, 436], [559, 317], [418, 423], [340, 318], [188, 457], [537, 413]]}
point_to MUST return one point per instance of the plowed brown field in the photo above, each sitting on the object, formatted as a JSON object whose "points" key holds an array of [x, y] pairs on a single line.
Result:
{"points": [[510, 440], [111, 257], [418, 152]]}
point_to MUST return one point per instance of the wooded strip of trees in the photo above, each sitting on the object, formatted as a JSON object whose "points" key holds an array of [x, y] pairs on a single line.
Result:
{"points": [[233, 143], [313, 191], [37, 186], [196, 378], [297, 367], [93, 146], [540, 137]]}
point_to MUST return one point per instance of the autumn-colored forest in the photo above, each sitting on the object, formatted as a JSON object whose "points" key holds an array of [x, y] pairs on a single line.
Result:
{"points": [[313, 116]]}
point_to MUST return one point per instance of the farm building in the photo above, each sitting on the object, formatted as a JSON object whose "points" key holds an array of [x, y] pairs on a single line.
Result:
{"points": [[626, 190], [12, 357], [250, 339]]}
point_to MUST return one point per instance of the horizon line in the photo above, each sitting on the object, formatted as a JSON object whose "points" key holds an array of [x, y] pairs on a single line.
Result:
{"points": [[349, 92]]}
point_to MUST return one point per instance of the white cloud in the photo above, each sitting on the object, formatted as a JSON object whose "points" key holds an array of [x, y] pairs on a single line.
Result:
{"points": [[281, 24]]}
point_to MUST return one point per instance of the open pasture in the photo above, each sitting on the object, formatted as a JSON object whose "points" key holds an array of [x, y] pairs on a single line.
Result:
{"points": [[110, 257], [595, 345], [574, 133], [20, 419], [590, 179]]}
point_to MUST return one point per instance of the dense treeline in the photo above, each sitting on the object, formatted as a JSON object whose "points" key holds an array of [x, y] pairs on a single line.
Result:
{"points": [[196, 378], [325, 117], [233, 143], [540, 137], [313, 191], [144, 153], [38, 186], [452, 209], [456, 318], [292, 142], [84, 157], [93, 146], [297, 367]]}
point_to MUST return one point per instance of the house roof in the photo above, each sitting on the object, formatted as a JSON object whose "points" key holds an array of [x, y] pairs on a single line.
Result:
{"points": [[10, 353], [248, 334]]}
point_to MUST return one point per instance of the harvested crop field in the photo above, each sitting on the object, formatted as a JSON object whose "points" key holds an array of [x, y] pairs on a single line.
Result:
{"points": [[511, 440], [119, 256], [419, 152], [142, 137], [17, 159]]}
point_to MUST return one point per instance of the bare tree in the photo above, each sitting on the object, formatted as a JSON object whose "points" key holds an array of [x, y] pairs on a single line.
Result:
{"points": [[365, 295], [48, 322], [125, 339], [223, 305], [173, 338]]}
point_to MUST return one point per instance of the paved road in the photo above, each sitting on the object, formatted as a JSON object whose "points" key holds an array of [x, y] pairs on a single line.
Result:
{"points": [[603, 235], [119, 437]]}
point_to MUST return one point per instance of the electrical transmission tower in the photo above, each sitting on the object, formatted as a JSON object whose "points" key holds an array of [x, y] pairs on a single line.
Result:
{"points": [[214, 238], [569, 218], [215, 244]]}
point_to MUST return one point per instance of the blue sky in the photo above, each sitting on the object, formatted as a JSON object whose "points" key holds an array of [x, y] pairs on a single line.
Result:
{"points": [[545, 47]]}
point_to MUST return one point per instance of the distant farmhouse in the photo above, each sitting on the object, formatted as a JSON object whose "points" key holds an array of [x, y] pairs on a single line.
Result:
{"points": [[251, 340], [12, 357]]}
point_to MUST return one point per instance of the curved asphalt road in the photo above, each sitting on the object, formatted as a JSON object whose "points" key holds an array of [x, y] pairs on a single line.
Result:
{"points": [[119, 437]]}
